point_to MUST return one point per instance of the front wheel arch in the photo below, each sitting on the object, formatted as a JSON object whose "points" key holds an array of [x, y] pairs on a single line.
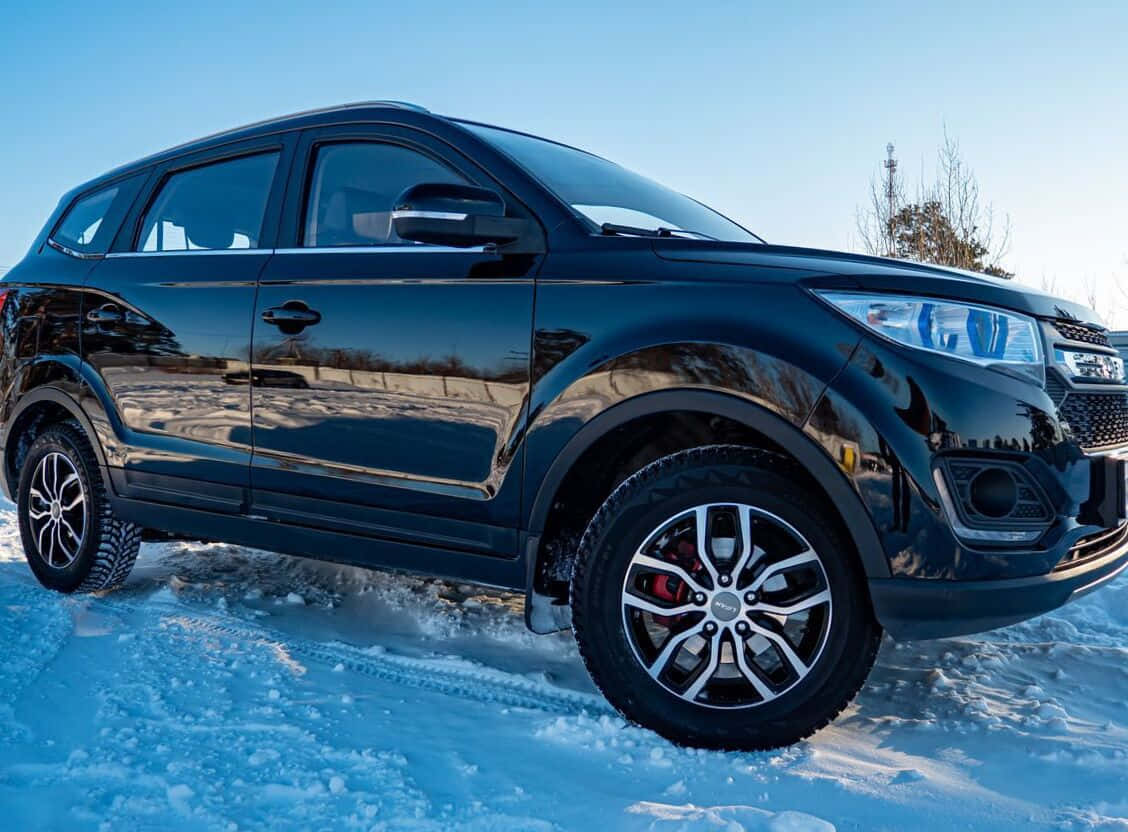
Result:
{"points": [[814, 460]]}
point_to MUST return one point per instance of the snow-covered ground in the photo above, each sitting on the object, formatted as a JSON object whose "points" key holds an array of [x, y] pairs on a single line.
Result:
{"points": [[224, 688]]}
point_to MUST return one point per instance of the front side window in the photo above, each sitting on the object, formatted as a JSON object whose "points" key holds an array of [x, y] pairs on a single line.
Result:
{"points": [[79, 228], [216, 206], [604, 192], [354, 187]]}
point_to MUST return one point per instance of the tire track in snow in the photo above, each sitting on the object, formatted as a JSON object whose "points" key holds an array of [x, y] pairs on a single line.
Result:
{"points": [[450, 676]]}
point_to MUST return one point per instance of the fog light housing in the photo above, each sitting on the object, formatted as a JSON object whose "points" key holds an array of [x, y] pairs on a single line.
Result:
{"points": [[992, 501], [993, 493]]}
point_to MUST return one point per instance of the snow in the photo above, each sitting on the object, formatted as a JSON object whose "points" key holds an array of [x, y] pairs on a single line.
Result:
{"points": [[224, 688]]}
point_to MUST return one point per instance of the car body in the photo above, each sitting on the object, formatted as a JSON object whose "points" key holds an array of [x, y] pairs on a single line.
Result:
{"points": [[460, 411]]}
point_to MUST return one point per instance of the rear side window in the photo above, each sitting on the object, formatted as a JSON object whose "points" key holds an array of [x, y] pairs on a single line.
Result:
{"points": [[79, 229], [216, 206], [354, 186]]}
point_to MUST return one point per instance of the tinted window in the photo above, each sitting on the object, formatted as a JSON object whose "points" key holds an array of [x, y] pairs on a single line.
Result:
{"points": [[354, 187], [217, 206], [80, 227]]}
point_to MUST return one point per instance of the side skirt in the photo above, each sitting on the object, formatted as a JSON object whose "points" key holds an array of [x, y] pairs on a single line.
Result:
{"points": [[337, 547]]}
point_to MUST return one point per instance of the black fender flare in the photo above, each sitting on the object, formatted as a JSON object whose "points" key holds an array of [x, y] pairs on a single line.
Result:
{"points": [[58, 396], [816, 461]]}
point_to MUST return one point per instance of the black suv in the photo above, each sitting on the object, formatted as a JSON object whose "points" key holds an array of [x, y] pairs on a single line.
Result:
{"points": [[380, 336]]}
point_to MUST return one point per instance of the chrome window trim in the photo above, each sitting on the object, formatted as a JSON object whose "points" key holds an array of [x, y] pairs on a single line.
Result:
{"points": [[178, 252], [80, 255], [393, 249]]}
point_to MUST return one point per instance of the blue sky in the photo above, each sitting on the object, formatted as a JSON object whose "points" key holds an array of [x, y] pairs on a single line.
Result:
{"points": [[776, 114]]}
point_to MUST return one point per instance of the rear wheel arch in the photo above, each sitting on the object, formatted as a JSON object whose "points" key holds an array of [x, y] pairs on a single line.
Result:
{"points": [[36, 410], [764, 429]]}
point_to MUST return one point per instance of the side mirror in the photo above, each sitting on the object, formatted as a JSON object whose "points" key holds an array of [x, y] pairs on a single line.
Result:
{"points": [[455, 215]]}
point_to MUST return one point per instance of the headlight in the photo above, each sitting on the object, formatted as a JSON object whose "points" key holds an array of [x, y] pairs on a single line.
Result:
{"points": [[989, 337]]}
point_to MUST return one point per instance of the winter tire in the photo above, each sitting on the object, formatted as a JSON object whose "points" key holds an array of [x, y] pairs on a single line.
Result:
{"points": [[72, 540], [716, 603]]}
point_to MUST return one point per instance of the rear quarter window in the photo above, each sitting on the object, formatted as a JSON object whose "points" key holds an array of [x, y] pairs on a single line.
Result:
{"points": [[83, 228]]}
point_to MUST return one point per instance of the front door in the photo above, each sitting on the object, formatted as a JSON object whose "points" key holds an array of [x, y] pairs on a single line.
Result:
{"points": [[390, 379]]}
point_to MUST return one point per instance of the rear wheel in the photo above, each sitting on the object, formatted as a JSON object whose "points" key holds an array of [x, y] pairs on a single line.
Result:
{"points": [[714, 603], [72, 539]]}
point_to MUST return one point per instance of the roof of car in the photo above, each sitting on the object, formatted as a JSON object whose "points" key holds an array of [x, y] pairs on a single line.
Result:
{"points": [[357, 111]]}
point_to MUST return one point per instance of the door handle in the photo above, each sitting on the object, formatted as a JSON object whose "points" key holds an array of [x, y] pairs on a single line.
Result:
{"points": [[291, 316], [107, 313]]}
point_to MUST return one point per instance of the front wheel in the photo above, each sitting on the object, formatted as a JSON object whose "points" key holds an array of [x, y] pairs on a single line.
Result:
{"points": [[714, 603]]}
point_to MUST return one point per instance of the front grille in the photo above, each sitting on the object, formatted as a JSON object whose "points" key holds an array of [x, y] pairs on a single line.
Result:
{"points": [[1084, 334], [1094, 546], [1098, 420]]}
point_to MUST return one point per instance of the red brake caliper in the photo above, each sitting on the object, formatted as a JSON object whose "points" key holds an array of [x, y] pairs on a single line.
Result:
{"points": [[670, 588]]}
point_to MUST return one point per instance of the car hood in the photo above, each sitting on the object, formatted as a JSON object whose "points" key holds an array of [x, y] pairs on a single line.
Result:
{"points": [[819, 269]]}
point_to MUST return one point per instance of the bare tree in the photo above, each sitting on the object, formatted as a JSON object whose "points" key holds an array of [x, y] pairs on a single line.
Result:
{"points": [[948, 223]]}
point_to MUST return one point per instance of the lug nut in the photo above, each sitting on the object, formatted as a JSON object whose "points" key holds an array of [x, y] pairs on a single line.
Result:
{"points": [[742, 627], [699, 598], [710, 628], [725, 580], [751, 598]]}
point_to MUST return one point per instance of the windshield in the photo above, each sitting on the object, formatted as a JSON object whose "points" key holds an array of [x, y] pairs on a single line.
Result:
{"points": [[607, 193]]}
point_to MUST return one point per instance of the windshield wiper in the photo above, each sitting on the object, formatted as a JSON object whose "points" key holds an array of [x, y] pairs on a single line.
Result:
{"points": [[633, 231]]}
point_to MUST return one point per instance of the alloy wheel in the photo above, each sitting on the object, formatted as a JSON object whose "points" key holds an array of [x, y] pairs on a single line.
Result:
{"points": [[57, 510], [726, 606]]}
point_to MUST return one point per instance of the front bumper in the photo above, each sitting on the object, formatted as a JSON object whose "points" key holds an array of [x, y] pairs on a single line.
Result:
{"points": [[911, 608]]}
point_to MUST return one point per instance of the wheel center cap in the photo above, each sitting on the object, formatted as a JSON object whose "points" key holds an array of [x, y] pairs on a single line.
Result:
{"points": [[725, 606], [56, 510]]}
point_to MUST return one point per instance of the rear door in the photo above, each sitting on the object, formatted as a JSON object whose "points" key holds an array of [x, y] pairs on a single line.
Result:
{"points": [[390, 378], [167, 324]]}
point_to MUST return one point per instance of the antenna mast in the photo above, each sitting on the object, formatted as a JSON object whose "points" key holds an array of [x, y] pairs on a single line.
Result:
{"points": [[890, 190]]}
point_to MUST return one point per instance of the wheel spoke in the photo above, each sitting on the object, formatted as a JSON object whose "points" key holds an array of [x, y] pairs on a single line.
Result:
{"points": [[783, 646], [749, 552], [673, 644], [39, 543], [37, 515], [655, 565], [701, 520], [706, 673], [785, 565], [70, 529], [55, 477], [52, 528], [67, 556], [81, 498], [640, 603], [807, 603], [752, 677]]}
